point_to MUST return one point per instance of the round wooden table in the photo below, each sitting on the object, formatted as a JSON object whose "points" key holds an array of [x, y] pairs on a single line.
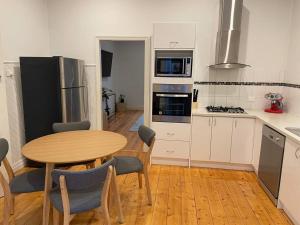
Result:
{"points": [[72, 147]]}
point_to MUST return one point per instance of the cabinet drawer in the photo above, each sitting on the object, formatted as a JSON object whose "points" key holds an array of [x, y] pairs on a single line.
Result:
{"points": [[172, 131], [171, 149]]}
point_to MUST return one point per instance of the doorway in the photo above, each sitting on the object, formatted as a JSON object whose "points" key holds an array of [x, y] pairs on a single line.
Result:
{"points": [[124, 84]]}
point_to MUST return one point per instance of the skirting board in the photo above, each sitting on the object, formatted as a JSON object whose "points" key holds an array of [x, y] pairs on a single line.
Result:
{"points": [[219, 165], [172, 162], [280, 205]]}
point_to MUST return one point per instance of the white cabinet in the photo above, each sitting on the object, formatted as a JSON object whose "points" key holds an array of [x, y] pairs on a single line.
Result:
{"points": [[242, 140], [171, 149], [174, 35], [289, 195], [201, 137], [172, 140], [257, 144], [221, 139], [172, 131]]}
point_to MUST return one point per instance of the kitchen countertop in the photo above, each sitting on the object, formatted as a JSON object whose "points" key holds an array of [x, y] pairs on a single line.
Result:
{"points": [[277, 121]]}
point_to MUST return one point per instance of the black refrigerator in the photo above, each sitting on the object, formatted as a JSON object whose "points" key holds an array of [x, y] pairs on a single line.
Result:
{"points": [[53, 90]]}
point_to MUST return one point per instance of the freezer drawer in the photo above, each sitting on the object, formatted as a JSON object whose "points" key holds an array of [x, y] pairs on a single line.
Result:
{"points": [[74, 107]]}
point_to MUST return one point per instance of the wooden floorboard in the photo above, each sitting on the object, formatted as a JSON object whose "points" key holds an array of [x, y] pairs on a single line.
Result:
{"points": [[181, 196]]}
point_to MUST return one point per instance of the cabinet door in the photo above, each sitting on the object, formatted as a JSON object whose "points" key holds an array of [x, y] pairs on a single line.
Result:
{"points": [[221, 139], [257, 143], [201, 137], [289, 194], [174, 35], [242, 140]]}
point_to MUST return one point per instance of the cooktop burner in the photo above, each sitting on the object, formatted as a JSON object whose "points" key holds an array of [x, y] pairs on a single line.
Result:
{"points": [[222, 109]]}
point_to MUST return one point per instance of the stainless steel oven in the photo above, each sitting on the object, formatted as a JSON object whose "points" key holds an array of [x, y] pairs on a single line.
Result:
{"points": [[173, 63], [172, 103]]}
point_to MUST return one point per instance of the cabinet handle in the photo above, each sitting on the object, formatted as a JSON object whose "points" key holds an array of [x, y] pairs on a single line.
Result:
{"points": [[297, 153], [173, 44], [215, 121], [170, 151], [209, 122], [235, 123], [170, 134]]}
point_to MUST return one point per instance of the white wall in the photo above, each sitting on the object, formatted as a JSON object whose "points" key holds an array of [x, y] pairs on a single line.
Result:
{"points": [[129, 77], [127, 74], [24, 32], [293, 65], [266, 42]]}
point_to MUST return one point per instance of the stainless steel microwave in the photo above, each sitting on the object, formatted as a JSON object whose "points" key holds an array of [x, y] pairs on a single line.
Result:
{"points": [[173, 63]]}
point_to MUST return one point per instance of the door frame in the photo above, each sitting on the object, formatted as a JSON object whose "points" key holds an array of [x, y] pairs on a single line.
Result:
{"points": [[147, 75]]}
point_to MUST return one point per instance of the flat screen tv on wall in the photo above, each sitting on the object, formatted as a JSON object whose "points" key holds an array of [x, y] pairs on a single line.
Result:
{"points": [[106, 61]]}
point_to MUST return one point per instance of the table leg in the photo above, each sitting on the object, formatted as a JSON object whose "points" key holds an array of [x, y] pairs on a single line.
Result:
{"points": [[48, 186]]}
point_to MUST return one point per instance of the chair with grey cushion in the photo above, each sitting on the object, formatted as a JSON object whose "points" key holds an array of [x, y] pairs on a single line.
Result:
{"points": [[31, 181], [140, 162], [65, 127], [81, 191]]}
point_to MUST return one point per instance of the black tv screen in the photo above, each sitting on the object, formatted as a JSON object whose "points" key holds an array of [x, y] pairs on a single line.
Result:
{"points": [[106, 61]]}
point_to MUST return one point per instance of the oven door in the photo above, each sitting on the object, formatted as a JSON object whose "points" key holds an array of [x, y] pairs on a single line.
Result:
{"points": [[172, 107], [170, 67]]}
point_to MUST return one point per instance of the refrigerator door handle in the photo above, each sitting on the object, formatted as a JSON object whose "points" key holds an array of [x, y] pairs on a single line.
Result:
{"points": [[85, 102]]}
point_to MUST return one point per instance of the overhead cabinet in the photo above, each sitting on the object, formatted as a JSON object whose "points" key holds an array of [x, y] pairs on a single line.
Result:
{"points": [[174, 35], [222, 139]]}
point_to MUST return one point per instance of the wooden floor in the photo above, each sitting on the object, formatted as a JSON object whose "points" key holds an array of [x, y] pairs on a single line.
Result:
{"points": [[181, 196], [122, 122]]}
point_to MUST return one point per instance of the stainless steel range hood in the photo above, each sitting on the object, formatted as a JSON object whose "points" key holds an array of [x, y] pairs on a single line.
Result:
{"points": [[228, 38]]}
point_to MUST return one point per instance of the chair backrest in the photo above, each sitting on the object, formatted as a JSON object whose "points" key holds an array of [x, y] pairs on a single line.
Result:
{"points": [[3, 149], [147, 135], [64, 127], [82, 180]]}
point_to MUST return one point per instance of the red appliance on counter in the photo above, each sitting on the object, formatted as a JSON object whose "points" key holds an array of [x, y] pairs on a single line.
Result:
{"points": [[276, 103]]}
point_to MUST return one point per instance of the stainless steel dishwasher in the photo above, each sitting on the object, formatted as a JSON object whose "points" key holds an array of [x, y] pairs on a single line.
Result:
{"points": [[270, 162]]}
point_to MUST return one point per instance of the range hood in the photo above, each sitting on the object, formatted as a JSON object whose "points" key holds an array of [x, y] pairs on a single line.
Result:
{"points": [[228, 37]]}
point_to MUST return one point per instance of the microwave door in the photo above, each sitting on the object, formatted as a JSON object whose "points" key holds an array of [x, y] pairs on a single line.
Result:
{"points": [[170, 67]]}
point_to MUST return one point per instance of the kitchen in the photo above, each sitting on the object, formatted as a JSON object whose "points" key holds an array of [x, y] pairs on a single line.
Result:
{"points": [[269, 44]]}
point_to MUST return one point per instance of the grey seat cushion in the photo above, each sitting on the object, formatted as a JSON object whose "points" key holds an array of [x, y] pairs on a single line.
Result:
{"points": [[28, 182], [128, 164], [80, 201]]}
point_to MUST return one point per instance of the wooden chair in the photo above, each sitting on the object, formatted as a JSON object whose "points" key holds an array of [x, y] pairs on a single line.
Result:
{"points": [[81, 191], [140, 162], [32, 181], [64, 127]]}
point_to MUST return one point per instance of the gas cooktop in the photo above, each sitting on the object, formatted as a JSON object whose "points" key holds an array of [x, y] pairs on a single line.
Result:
{"points": [[222, 109]]}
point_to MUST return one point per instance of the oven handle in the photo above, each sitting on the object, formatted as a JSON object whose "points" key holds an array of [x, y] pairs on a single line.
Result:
{"points": [[173, 95]]}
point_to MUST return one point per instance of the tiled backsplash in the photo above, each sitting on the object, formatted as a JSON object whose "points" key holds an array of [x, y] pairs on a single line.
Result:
{"points": [[249, 95]]}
